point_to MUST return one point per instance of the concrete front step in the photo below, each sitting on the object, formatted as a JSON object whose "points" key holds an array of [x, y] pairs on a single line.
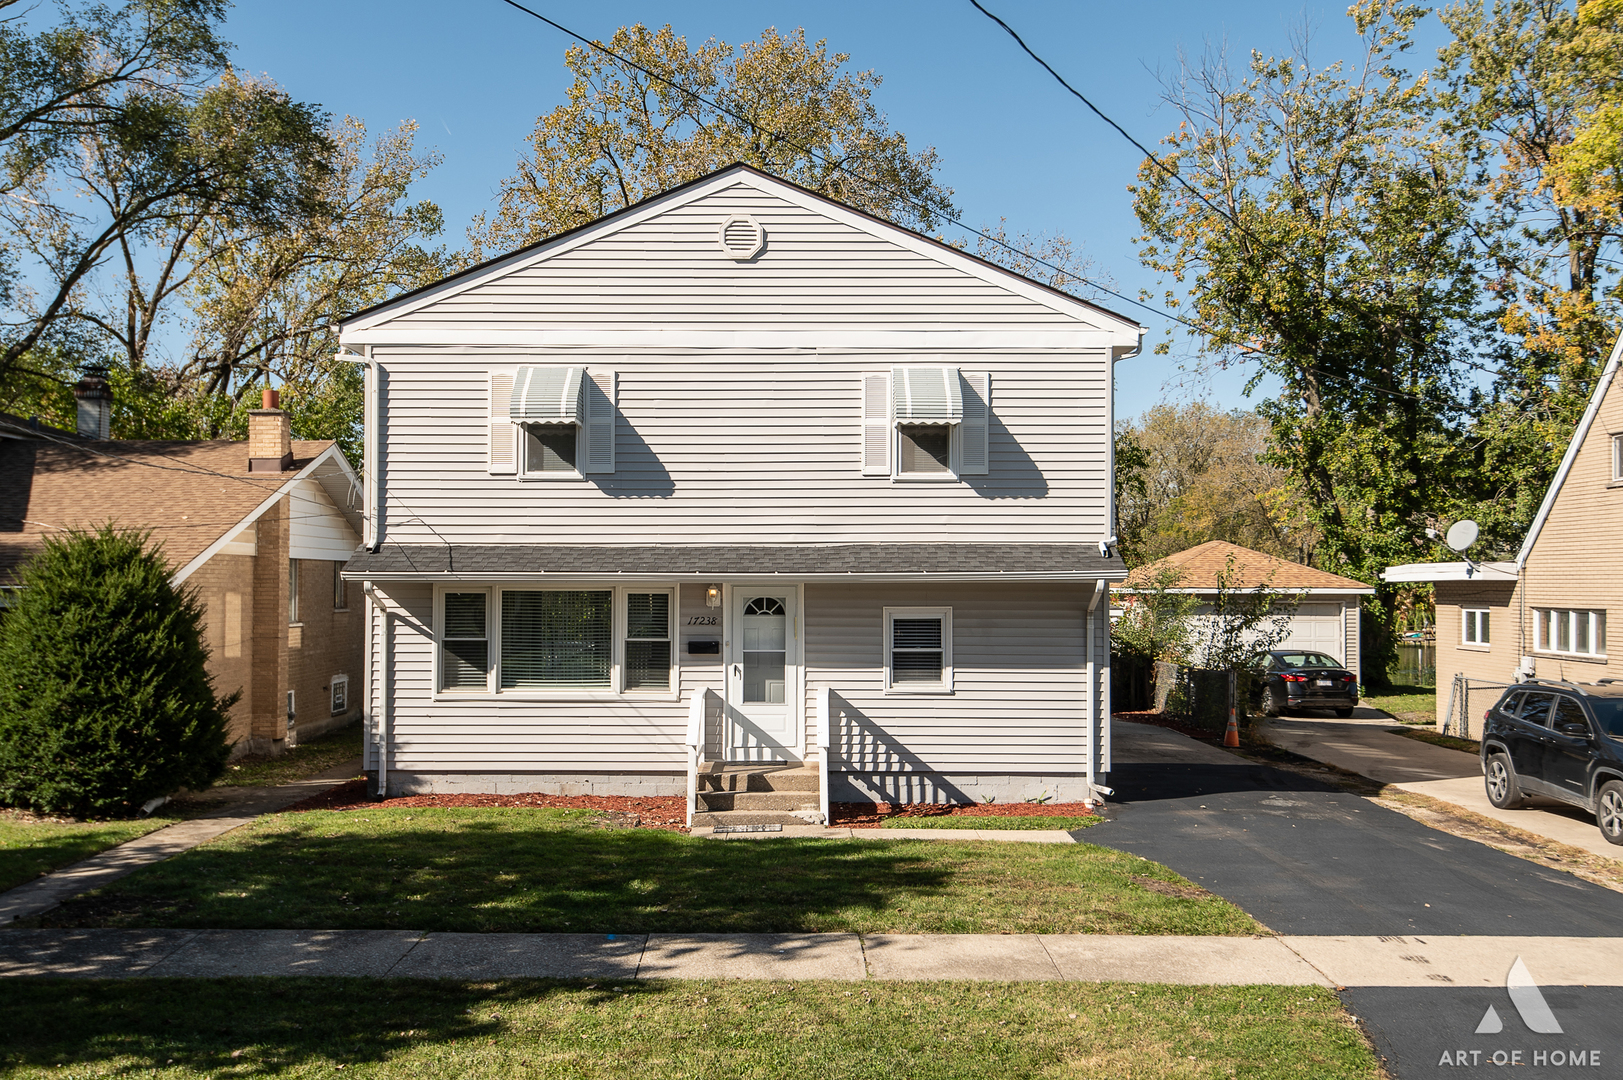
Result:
{"points": [[758, 800], [712, 818], [733, 778]]}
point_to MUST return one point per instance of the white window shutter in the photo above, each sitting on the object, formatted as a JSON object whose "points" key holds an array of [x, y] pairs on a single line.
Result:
{"points": [[503, 457], [876, 424], [599, 423], [974, 457]]}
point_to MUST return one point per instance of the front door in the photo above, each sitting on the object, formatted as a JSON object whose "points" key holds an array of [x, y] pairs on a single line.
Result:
{"points": [[763, 669]]}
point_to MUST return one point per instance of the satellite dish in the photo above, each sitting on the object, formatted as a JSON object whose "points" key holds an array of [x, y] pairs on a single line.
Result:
{"points": [[1461, 535]]}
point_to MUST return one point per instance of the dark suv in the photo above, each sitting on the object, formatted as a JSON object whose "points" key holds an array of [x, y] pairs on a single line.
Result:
{"points": [[1562, 740]]}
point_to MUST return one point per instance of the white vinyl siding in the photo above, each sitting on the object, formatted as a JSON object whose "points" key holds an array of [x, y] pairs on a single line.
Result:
{"points": [[1474, 626], [1570, 632], [747, 446], [316, 527]]}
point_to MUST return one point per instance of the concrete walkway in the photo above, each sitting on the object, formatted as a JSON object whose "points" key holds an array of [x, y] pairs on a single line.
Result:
{"points": [[1367, 747], [238, 807], [1191, 961]]}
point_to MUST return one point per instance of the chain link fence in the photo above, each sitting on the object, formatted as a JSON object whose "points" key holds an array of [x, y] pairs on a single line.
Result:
{"points": [[1468, 699]]}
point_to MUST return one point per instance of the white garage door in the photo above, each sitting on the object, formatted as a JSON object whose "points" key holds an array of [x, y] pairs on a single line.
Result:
{"points": [[1317, 627]]}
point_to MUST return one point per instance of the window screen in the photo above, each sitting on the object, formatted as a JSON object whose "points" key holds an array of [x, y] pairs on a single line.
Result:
{"points": [[916, 654], [464, 643], [556, 639], [925, 449], [549, 448], [648, 641]]}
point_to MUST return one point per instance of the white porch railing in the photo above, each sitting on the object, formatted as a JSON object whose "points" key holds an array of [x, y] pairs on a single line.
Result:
{"points": [[825, 740], [696, 717]]}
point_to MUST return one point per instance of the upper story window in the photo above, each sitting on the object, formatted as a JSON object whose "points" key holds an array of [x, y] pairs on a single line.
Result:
{"points": [[551, 423], [925, 423], [1474, 626], [293, 591], [1564, 630]]}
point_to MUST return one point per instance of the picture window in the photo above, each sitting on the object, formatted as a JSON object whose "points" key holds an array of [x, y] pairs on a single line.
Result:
{"points": [[556, 639]]}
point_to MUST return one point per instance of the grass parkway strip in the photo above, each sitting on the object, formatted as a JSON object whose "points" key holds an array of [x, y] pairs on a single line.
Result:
{"points": [[530, 870], [653, 1030]]}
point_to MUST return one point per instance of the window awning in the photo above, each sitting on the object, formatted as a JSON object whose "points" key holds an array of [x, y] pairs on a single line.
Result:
{"points": [[546, 395], [927, 395]]}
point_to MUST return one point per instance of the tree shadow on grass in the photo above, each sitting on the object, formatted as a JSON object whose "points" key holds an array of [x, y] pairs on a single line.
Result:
{"points": [[487, 872], [265, 1027]]}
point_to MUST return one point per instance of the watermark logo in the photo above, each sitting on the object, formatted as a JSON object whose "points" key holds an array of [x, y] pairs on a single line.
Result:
{"points": [[1535, 1013]]}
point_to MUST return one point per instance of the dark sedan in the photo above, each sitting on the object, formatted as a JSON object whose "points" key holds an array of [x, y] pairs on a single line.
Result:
{"points": [[1292, 679]]}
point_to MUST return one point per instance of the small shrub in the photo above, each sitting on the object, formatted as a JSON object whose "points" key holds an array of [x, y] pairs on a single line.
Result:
{"points": [[105, 702]]}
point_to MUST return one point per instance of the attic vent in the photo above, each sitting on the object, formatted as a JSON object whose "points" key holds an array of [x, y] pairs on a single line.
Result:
{"points": [[742, 238]]}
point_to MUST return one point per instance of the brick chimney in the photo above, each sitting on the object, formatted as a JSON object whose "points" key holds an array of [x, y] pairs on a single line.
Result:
{"points": [[95, 400], [270, 436]]}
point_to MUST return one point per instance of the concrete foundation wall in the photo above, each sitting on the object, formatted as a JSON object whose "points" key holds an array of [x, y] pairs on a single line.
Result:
{"points": [[961, 788], [649, 785]]}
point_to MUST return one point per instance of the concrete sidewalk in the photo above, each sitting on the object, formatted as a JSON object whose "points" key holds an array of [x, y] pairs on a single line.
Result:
{"points": [[240, 806], [1366, 747], [1192, 961]]}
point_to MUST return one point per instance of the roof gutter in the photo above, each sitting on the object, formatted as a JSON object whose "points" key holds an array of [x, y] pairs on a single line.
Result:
{"points": [[573, 577]]}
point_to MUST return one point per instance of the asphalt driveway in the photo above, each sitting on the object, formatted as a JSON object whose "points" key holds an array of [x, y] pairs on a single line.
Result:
{"points": [[1304, 857]]}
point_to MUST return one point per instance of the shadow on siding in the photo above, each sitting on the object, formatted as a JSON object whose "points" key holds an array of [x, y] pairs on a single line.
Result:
{"points": [[1013, 474]]}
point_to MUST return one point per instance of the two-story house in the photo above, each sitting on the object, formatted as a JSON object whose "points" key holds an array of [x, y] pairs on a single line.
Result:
{"points": [[1546, 613], [739, 476]]}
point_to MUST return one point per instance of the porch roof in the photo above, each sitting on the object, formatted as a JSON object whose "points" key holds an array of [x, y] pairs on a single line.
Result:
{"points": [[962, 562]]}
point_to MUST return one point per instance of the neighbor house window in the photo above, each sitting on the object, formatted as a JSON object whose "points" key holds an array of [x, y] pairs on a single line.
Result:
{"points": [[293, 590], [918, 649], [1579, 633], [648, 641], [340, 694], [1617, 457], [557, 639], [1474, 626], [340, 588], [465, 642]]}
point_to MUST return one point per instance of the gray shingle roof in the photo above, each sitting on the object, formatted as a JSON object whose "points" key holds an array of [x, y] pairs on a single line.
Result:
{"points": [[716, 561]]}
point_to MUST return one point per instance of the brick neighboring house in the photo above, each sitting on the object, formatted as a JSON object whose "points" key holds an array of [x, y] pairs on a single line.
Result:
{"points": [[258, 529], [1546, 613]]}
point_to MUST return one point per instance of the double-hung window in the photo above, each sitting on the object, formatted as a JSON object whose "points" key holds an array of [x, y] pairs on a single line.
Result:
{"points": [[648, 641], [1617, 459], [1571, 631], [1474, 626], [465, 641], [918, 650]]}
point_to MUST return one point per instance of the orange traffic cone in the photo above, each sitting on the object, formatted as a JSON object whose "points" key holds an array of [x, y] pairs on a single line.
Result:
{"points": [[1231, 737]]}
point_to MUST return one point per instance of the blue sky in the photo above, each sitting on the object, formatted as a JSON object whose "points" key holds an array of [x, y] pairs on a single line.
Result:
{"points": [[475, 74]]}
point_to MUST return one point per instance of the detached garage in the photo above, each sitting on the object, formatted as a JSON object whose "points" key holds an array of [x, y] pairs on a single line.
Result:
{"points": [[1327, 613]]}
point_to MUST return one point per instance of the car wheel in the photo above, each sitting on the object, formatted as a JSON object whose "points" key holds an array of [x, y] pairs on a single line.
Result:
{"points": [[1270, 702], [1344, 713], [1503, 791], [1609, 811]]}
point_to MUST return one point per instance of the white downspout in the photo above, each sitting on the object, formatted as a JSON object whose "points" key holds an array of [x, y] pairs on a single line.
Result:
{"points": [[1094, 696]]}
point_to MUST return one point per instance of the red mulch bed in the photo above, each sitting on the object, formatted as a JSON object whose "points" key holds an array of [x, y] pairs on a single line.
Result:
{"points": [[663, 812], [858, 815]]}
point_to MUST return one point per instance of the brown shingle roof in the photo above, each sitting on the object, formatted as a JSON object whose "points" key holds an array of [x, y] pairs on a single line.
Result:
{"points": [[1201, 565], [188, 494]]}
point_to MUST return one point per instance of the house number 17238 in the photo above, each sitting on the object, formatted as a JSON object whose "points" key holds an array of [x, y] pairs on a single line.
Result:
{"points": [[701, 620]]}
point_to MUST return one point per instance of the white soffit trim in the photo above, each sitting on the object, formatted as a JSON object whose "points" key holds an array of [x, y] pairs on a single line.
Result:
{"points": [[1578, 437], [753, 340], [232, 533], [1119, 329], [1450, 571]]}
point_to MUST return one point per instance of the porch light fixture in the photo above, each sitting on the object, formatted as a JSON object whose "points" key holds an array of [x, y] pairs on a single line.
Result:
{"points": [[712, 596]]}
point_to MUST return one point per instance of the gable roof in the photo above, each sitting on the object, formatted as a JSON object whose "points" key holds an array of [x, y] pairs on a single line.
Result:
{"points": [[192, 496], [1042, 293], [1201, 565], [1602, 384]]}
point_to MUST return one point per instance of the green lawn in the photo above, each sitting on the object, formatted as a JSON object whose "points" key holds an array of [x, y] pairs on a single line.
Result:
{"points": [[1409, 704], [967, 821], [296, 1028], [559, 870], [29, 847], [334, 748]]}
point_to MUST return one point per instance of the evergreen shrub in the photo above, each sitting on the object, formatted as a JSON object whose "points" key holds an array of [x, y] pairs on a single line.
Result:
{"points": [[105, 702]]}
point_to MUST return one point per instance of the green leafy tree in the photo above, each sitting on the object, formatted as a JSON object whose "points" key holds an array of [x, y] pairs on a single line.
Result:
{"points": [[624, 136], [105, 700]]}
